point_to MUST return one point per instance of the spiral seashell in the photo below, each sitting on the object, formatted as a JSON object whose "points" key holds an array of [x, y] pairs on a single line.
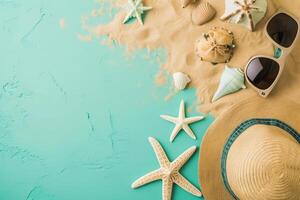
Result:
{"points": [[203, 13], [232, 80]]}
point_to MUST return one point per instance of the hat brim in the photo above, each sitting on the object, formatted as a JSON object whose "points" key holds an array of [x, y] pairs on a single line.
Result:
{"points": [[210, 174]]}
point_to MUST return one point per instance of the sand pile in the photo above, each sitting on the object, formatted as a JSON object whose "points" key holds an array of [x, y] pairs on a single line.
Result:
{"points": [[169, 26]]}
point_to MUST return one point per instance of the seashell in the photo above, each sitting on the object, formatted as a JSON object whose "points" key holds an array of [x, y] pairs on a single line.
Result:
{"points": [[246, 13], [185, 3], [215, 46], [180, 80], [203, 13], [232, 80]]}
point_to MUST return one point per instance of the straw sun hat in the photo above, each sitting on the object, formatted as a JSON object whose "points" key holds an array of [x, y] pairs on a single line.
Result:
{"points": [[252, 152]]}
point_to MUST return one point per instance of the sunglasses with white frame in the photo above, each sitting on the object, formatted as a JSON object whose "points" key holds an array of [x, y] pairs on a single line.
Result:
{"points": [[280, 60]]}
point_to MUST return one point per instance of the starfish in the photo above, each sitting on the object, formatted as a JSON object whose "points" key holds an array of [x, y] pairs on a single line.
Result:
{"points": [[182, 122], [243, 9], [168, 172], [135, 9]]}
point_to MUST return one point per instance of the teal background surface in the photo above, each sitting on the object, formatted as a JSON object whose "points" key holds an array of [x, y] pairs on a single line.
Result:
{"points": [[75, 116]]}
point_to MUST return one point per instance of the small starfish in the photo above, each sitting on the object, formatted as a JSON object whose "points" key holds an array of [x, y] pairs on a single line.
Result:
{"points": [[182, 122], [168, 172], [243, 9], [135, 9]]}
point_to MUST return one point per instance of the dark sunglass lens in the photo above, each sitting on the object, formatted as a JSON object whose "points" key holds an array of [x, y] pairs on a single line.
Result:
{"points": [[283, 29], [262, 72]]}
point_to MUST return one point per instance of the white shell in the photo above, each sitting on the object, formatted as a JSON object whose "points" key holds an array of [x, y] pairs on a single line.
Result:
{"points": [[203, 13], [181, 80], [232, 80], [257, 15]]}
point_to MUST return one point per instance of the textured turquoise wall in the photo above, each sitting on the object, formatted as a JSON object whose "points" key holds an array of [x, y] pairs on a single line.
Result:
{"points": [[75, 116]]}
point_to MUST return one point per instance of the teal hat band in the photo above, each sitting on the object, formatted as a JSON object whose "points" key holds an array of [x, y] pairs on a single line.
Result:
{"points": [[238, 131]]}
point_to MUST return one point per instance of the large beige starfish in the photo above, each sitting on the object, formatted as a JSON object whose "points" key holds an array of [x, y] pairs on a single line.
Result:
{"points": [[182, 122], [168, 172]]}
